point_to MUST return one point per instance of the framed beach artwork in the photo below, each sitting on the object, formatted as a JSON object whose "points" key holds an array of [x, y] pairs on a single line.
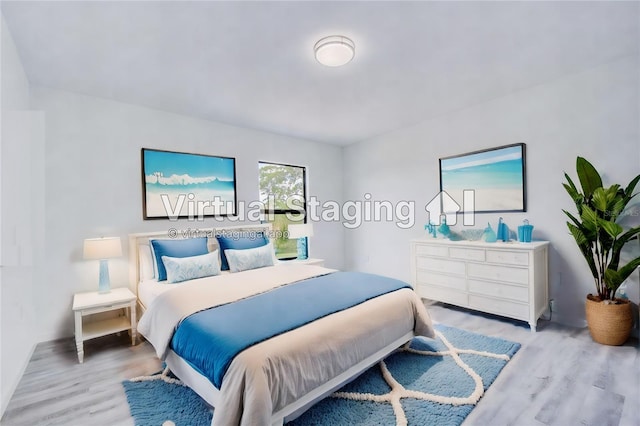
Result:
{"points": [[181, 185], [494, 179]]}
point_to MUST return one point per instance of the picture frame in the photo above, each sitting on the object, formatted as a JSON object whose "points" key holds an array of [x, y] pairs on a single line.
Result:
{"points": [[184, 185], [494, 178]]}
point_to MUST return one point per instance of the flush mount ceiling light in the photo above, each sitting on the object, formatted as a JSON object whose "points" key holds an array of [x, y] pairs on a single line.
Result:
{"points": [[334, 51]]}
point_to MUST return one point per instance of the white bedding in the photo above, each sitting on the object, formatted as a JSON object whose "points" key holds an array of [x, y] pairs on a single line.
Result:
{"points": [[150, 289], [272, 374], [172, 306]]}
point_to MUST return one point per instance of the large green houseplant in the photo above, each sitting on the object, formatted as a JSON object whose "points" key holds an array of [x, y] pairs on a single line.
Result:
{"points": [[600, 237]]}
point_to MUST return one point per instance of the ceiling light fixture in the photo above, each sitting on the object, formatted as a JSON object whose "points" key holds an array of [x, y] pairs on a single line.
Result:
{"points": [[334, 51]]}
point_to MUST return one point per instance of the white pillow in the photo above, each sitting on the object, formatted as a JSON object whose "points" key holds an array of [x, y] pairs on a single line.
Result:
{"points": [[145, 263], [242, 260], [189, 268]]}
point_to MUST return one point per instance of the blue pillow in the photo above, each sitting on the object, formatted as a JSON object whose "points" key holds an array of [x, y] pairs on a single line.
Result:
{"points": [[243, 260], [246, 240], [177, 248], [189, 268]]}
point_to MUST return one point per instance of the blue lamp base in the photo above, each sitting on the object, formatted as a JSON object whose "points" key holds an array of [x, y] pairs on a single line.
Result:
{"points": [[302, 248], [104, 286]]}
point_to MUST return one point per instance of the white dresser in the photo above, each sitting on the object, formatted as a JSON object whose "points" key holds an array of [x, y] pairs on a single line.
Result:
{"points": [[508, 279]]}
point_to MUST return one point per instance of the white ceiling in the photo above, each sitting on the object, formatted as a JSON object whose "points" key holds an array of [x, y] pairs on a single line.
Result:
{"points": [[251, 64]]}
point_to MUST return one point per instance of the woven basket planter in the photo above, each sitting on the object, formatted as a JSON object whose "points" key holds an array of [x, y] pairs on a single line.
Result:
{"points": [[609, 324]]}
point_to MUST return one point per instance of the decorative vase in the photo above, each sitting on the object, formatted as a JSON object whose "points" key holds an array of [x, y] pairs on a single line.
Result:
{"points": [[609, 324], [489, 235], [525, 231], [502, 231], [444, 229]]}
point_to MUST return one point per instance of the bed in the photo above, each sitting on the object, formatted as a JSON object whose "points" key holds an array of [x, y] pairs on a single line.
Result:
{"points": [[276, 379]]}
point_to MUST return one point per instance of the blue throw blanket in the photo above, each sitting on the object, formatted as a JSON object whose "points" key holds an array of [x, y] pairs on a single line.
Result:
{"points": [[210, 339]]}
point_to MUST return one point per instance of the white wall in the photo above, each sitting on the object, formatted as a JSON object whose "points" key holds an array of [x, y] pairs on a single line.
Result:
{"points": [[21, 213], [15, 85], [93, 185], [593, 114]]}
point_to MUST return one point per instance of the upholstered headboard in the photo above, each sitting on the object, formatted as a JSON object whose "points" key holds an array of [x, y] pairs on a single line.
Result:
{"points": [[142, 239]]}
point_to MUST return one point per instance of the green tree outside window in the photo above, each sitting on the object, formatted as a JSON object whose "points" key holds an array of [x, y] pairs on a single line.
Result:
{"points": [[283, 193]]}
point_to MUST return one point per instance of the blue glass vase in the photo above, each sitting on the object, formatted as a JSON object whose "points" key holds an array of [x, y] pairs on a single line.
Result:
{"points": [[302, 248], [489, 235]]}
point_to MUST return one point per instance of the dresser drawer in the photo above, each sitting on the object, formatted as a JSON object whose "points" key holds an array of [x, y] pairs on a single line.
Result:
{"points": [[498, 273], [431, 251], [466, 254], [443, 295], [499, 307], [508, 257], [448, 281], [505, 291], [440, 265]]}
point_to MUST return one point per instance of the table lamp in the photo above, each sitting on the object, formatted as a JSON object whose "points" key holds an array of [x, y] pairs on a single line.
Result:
{"points": [[102, 249], [301, 232]]}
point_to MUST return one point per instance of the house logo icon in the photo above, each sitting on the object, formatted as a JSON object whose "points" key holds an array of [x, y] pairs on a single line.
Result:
{"points": [[444, 206]]}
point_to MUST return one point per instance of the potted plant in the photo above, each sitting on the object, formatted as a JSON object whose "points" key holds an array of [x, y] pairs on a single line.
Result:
{"points": [[601, 238]]}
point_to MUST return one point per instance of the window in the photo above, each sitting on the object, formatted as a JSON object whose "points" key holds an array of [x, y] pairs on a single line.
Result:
{"points": [[283, 192]]}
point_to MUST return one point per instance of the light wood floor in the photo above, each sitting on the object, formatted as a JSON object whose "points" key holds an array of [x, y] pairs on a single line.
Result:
{"points": [[559, 377]]}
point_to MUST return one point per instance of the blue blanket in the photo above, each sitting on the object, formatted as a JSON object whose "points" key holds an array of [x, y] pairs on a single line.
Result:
{"points": [[210, 339]]}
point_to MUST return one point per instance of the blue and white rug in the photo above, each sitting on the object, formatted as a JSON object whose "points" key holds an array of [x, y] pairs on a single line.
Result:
{"points": [[428, 382]]}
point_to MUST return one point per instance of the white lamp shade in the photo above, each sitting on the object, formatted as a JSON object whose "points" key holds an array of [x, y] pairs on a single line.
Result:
{"points": [[102, 248], [300, 230], [334, 51]]}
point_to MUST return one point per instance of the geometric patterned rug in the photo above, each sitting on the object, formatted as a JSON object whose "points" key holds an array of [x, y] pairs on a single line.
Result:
{"points": [[430, 381]]}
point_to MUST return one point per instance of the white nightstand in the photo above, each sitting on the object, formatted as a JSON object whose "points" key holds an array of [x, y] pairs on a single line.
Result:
{"points": [[92, 303], [317, 262]]}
